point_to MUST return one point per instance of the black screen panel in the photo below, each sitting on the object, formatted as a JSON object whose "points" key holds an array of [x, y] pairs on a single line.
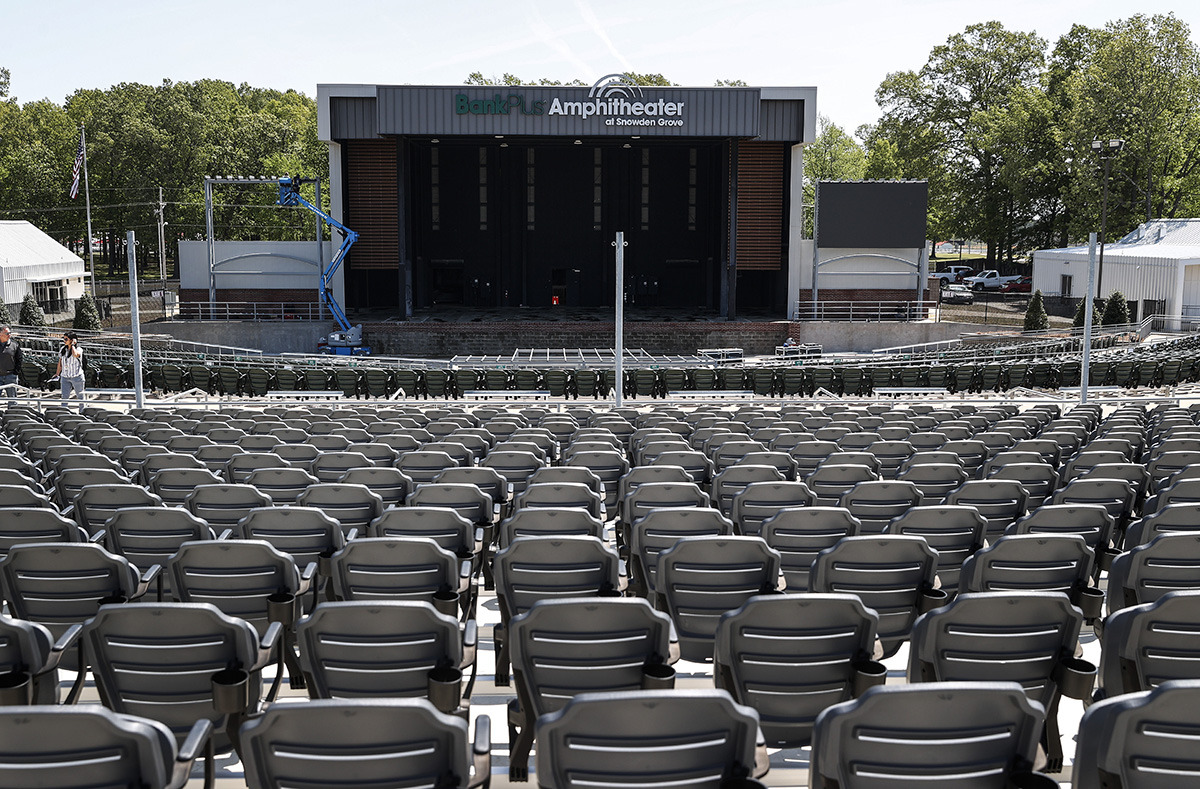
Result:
{"points": [[872, 214]]}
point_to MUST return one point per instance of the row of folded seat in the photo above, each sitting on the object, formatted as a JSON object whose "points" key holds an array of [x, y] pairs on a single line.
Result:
{"points": [[896, 604]]}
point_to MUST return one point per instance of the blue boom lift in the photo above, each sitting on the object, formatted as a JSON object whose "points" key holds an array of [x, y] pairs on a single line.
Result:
{"points": [[349, 340]]}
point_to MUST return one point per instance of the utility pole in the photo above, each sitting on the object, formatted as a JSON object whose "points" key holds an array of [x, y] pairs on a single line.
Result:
{"points": [[1106, 150], [162, 258]]}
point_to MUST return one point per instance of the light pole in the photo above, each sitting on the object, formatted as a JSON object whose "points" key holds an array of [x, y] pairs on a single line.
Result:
{"points": [[1106, 150]]}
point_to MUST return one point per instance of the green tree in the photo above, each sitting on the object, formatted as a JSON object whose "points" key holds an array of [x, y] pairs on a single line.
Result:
{"points": [[4, 77], [1116, 310], [1036, 318], [1081, 314], [87, 317], [1138, 80], [730, 83], [833, 156], [5, 316], [943, 120], [31, 312]]}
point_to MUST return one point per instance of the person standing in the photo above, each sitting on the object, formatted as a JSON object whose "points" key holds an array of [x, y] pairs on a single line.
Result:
{"points": [[70, 367], [10, 362]]}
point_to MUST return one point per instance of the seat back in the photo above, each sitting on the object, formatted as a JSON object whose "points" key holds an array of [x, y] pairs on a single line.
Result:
{"points": [[237, 576], [893, 574], [1036, 562], [681, 737], [380, 742], [1135, 740], [1168, 563], [660, 529], [443, 525], [943, 733], [876, 502], [790, 656], [700, 578], [353, 506], [955, 531]]}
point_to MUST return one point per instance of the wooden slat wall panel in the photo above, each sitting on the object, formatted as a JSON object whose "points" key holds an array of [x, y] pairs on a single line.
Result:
{"points": [[372, 203], [760, 205]]}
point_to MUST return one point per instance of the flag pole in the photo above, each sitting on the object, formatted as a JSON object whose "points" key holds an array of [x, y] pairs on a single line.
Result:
{"points": [[87, 197]]}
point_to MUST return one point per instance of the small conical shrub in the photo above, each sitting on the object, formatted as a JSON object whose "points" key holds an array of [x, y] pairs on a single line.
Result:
{"points": [[1036, 318], [1116, 309], [31, 312], [1081, 313], [87, 317]]}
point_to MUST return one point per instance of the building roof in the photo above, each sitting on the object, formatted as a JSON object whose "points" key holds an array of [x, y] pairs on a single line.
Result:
{"points": [[29, 255], [1171, 239]]}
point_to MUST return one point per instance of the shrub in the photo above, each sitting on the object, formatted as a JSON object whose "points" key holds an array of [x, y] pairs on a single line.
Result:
{"points": [[1116, 309], [87, 317], [31, 312], [1081, 313], [1036, 318]]}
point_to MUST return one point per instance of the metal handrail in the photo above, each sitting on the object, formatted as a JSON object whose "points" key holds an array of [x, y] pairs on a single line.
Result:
{"points": [[866, 310], [254, 311]]}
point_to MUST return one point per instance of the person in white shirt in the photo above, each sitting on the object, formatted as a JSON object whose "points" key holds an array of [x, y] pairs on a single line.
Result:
{"points": [[70, 367]]}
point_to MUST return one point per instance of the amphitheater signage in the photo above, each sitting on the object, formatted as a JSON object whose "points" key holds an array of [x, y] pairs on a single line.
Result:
{"points": [[612, 106]]}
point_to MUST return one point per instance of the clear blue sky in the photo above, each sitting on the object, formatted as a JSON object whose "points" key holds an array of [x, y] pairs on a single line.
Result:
{"points": [[843, 48]]}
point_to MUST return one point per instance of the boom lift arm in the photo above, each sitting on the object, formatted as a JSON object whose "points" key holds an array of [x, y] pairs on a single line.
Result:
{"points": [[289, 195]]}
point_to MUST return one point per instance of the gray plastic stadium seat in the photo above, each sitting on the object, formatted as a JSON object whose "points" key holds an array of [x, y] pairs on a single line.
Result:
{"points": [[979, 734], [564, 494], [300, 455], [384, 648], [562, 648], [800, 533], [1035, 562], [830, 483], [20, 525], [1169, 520], [223, 505], [1091, 521], [700, 578], [1140, 740], [547, 521], [790, 656], [374, 742], [655, 495], [876, 502], [239, 467], [636, 476], [45, 746], [659, 530], [955, 531], [759, 501], [95, 504], [462, 497], [679, 737], [695, 463], [1115, 495], [330, 466], [150, 535], [29, 658], [733, 480], [609, 466], [1145, 645], [174, 485], [1000, 501], [415, 569], [390, 484], [281, 485], [486, 479], [547, 568], [1168, 563], [160, 661], [1038, 479], [895, 575], [69, 483], [423, 465], [353, 506], [60, 584], [934, 480], [1034, 647], [306, 534]]}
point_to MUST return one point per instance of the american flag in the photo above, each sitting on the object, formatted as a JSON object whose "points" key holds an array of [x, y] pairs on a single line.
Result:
{"points": [[75, 170]]}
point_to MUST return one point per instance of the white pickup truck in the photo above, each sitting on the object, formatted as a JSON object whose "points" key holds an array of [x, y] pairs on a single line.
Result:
{"points": [[989, 279], [951, 275]]}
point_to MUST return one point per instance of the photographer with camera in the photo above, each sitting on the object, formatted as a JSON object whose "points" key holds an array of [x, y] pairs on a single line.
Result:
{"points": [[70, 367]]}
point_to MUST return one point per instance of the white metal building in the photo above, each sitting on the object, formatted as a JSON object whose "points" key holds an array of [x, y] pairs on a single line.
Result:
{"points": [[1156, 267], [33, 262]]}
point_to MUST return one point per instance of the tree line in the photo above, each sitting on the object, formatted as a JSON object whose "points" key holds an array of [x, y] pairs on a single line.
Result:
{"points": [[142, 137], [1001, 126]]}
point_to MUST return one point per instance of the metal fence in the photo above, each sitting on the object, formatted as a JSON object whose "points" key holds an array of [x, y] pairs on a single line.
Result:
{"points": [[866, 311], [252, 311]]}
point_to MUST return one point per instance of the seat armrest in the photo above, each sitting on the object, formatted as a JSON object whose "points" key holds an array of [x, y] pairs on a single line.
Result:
{"points": [[225, 535], [64, 642], [266, 644], [306, 576], [97, 538], [481, 752], [196, 738], [144, 582], [352, 534], [470, 641]]}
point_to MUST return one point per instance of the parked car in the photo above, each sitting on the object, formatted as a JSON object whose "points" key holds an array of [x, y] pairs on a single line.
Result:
{"points": [[989, 279], [1022, 285], [957, 294], [952, 274]]}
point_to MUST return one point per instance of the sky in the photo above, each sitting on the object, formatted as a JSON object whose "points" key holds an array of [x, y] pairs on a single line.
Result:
{"points": [[845, 49]]}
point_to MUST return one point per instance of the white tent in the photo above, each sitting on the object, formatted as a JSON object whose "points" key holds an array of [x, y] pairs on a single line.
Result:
{"points": [[33, 262], [1156, 267]]}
